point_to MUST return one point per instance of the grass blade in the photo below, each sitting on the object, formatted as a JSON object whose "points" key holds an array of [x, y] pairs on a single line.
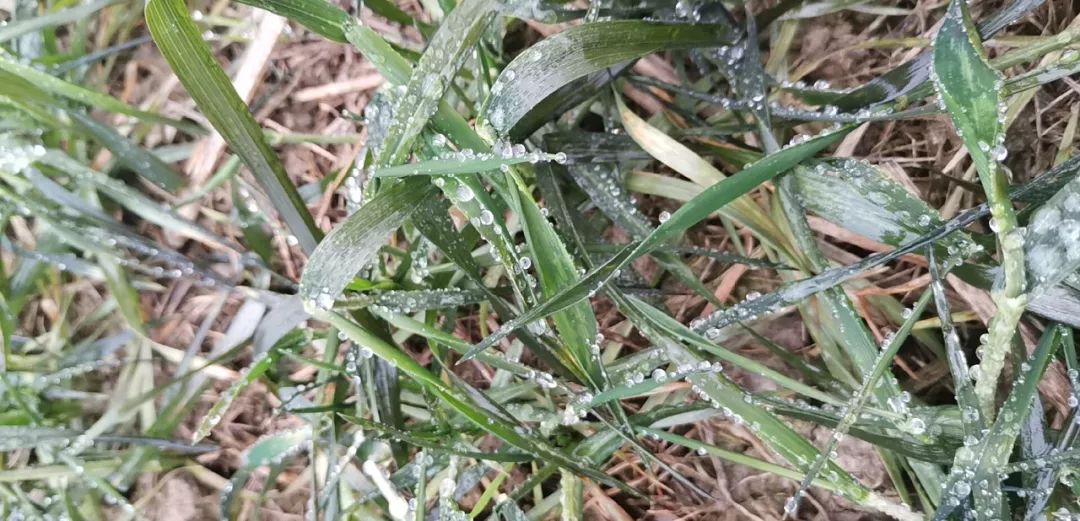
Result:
{"points": [[433, 75], [579, 51], [259, 366], [354, 243], [970, 90], [556, 270], [319, 16], [132, 199], [189, 56], [863, 199], [493, 424], [269, 450], [138, 159], [64, 16], [976, 468], [48, 83], [696, 210]]}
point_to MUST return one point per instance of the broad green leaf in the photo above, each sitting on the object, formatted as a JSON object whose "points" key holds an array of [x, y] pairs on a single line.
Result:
{"points": [[970, 90], [579, 51], [350, 246], [563, 100], [863, 199], [180, 41], [969, 87]]}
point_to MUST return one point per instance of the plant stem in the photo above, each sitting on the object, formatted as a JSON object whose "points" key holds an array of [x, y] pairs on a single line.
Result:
{"points": [[1008, 295]]}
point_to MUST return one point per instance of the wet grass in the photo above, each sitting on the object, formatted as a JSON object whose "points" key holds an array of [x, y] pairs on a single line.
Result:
{"points": [[468, 339]]}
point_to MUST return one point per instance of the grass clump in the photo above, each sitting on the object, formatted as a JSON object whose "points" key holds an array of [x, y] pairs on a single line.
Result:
{"points": [[473, 316]]}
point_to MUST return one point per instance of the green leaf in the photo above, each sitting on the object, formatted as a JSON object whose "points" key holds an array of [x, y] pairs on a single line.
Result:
{"points": [[851, 412], [563, 100], [605, 190], [977, 468], [907, 79], [685, 161], [556, 270], [319, 16], [970, 414], [969, 87], [434, 443], [64, 16], [132, 199], [433, 75], [693, 212], [190, 57], [970, 90], [412, 301], [353, 244], [740, 458], [138, 159], [433, 221], [259, 366], [484, 163], [862, 198], [463, 404], [268, 450], [328, 20], [51, 84], [579, 51], [571, 501]]}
